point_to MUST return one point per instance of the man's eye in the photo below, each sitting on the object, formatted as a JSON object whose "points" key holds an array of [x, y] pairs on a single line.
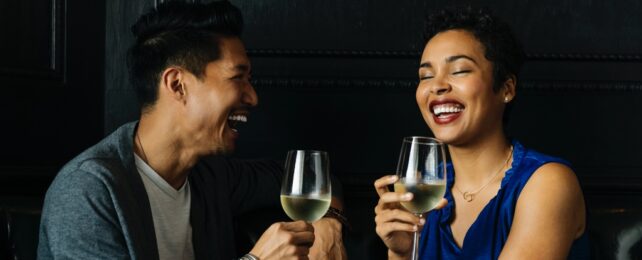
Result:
{"points": [[461, 72], [426, 77]]}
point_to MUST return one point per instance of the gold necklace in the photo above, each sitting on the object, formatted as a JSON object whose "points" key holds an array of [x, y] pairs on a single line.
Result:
{"points": [[141, 148], [470, 196]]}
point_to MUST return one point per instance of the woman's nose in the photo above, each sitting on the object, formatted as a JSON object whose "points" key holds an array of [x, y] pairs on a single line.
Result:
{"points": [[439, 86]]}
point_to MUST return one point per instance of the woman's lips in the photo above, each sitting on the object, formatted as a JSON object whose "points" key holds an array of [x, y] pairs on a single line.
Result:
{"points": [[445, 111], [446, 118]]}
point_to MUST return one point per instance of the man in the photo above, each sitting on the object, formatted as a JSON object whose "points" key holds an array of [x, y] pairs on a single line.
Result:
{"points": [[152, 190]]}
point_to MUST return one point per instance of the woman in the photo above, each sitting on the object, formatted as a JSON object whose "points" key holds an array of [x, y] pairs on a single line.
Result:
{"points": [[502, 200]]}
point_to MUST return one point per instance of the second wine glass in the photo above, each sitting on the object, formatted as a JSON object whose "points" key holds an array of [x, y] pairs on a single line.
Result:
{"points": [[306, 191], [422, 172]]}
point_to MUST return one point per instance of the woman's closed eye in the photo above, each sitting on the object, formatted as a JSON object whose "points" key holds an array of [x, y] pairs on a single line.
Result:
{"points": [[425, 77], [461, 72]]}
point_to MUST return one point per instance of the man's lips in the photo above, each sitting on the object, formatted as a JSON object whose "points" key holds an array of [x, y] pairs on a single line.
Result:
{"points": [[235, 119]]}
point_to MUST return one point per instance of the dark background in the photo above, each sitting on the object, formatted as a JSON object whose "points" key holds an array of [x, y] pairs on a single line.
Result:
{"points": [[332, 75]]}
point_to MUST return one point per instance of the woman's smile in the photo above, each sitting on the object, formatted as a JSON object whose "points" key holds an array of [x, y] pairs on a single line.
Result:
{"points": [[446, 111]]}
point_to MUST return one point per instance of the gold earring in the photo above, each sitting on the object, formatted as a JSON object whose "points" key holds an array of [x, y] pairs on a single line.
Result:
{"points": [[506, 99]]}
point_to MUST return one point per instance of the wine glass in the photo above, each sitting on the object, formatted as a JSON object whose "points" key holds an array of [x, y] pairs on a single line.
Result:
{"points": [[422, 172], [305, 193]]}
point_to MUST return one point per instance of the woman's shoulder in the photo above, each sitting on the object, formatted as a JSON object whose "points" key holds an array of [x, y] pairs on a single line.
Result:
{"points": [[554, 189], [550, 204], [528, 162], [550, 178], [537, 159]]}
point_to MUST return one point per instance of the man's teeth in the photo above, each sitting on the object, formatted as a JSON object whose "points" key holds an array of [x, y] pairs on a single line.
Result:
{"points": [[239, 118], [446, 108]]}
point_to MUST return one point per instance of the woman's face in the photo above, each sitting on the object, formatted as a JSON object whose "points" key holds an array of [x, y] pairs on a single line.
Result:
{"points": [[455, 92]]}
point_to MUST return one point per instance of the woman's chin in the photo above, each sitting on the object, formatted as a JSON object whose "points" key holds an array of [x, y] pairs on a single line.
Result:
{"points": [[447, 137]]}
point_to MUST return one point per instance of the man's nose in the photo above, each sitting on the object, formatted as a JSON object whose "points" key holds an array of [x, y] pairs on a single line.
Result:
{"points": [[250, 97]]}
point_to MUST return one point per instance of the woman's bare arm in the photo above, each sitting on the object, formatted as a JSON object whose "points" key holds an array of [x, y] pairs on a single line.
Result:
{"points": [[549, 216]]}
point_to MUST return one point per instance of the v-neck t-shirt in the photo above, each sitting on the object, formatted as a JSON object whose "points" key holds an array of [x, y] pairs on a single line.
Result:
{"points": [[170, 212]]}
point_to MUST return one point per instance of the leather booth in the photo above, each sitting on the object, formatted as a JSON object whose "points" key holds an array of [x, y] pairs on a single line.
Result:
{"points": [[615, 229]]}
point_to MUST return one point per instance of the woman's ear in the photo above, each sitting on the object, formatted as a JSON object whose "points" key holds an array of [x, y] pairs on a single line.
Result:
{"points": [[508, 89]]}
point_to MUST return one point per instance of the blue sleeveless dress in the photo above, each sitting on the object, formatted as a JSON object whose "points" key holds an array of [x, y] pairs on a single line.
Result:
{"points": [[488, 234]]}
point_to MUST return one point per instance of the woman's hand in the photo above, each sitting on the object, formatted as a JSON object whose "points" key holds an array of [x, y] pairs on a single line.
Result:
{"points": [[285, 240], [395, 225]]}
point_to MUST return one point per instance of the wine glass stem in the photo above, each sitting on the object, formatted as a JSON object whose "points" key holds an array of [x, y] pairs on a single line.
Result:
{"points": [[415, 242]]}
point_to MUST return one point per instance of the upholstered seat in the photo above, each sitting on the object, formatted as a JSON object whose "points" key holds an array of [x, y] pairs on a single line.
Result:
{"points": [[615, 229]]}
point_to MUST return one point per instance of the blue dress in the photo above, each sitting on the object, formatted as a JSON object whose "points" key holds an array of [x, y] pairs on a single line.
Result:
{"points": [[488, 234]]}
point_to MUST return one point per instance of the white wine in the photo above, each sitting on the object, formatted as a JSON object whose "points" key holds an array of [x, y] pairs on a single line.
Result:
{"points": [[305, 208], [426, 195]]}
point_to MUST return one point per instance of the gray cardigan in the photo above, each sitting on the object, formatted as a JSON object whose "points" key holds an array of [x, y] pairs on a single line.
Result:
{"points": [[97, 207]]}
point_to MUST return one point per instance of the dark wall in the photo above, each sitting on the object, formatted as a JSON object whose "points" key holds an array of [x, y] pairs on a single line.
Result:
{"points": [[341, 76], [333, 75], [51, 69]]}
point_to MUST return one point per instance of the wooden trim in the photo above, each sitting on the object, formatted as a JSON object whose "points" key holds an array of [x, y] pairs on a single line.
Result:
{"points": [[55, 70], [400, 54], [391, 83]]}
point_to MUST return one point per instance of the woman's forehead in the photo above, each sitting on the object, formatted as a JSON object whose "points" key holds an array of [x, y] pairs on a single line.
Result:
{"points": [[452, 42]]}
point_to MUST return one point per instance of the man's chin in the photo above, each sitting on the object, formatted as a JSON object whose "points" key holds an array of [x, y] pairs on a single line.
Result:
{"points": [[225, 149]]}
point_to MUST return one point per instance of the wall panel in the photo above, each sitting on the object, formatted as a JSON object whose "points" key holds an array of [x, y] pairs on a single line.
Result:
{"points": [[341, 75]]}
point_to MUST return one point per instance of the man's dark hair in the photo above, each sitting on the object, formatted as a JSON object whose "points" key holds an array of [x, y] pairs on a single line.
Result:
{"points": [[178, 34], [500, 45]]}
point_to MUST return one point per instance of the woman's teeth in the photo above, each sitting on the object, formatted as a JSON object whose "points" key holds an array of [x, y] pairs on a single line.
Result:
{"points": [[446, 108]]}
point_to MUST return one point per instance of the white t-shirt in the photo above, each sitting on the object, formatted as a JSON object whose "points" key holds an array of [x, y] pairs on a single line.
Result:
{"points": [[170, 211]]}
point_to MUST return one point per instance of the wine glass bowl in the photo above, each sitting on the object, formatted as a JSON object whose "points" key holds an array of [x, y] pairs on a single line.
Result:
{"points": [[421, 171], [306, 191]]}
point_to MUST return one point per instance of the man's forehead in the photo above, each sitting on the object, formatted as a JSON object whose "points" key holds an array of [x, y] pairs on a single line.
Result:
{"points": [[233, 56], [231, 65]]}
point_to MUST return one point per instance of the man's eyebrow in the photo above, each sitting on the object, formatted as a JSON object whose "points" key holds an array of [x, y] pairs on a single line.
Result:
{"points": [[425, 65], [242, 67], [457, 57]]}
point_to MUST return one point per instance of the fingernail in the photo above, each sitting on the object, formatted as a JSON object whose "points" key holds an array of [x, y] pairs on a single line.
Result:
{"points": [[415, 228], [407, 196], [422, 221], [393, 178]]}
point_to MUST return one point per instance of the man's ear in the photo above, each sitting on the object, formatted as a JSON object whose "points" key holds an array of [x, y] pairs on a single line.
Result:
{"points": [[173, 82], [508, 89]]}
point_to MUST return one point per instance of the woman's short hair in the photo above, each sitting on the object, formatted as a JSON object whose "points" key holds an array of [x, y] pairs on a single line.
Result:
{"points": [[500, 45]]}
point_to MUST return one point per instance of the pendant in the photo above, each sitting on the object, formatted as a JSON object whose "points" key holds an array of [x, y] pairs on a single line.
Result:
{"points": [[468, 196]]}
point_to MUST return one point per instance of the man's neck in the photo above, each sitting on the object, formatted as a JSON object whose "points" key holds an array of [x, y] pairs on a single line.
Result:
{"points": [[158, 142]]}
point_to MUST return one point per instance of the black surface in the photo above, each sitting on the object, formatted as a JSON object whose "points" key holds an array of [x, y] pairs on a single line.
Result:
{"points": [[51, 69], [333, 75]]}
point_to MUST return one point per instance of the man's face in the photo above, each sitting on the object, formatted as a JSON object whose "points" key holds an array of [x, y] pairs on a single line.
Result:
{"points": [[218, 102]]}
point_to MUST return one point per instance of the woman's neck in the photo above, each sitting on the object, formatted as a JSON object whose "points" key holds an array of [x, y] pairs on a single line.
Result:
{"points": [[477, 162]]}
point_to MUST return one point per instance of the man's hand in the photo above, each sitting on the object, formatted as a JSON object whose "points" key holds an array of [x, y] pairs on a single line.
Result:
{"points": [[328, 243], [285, 240]]}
